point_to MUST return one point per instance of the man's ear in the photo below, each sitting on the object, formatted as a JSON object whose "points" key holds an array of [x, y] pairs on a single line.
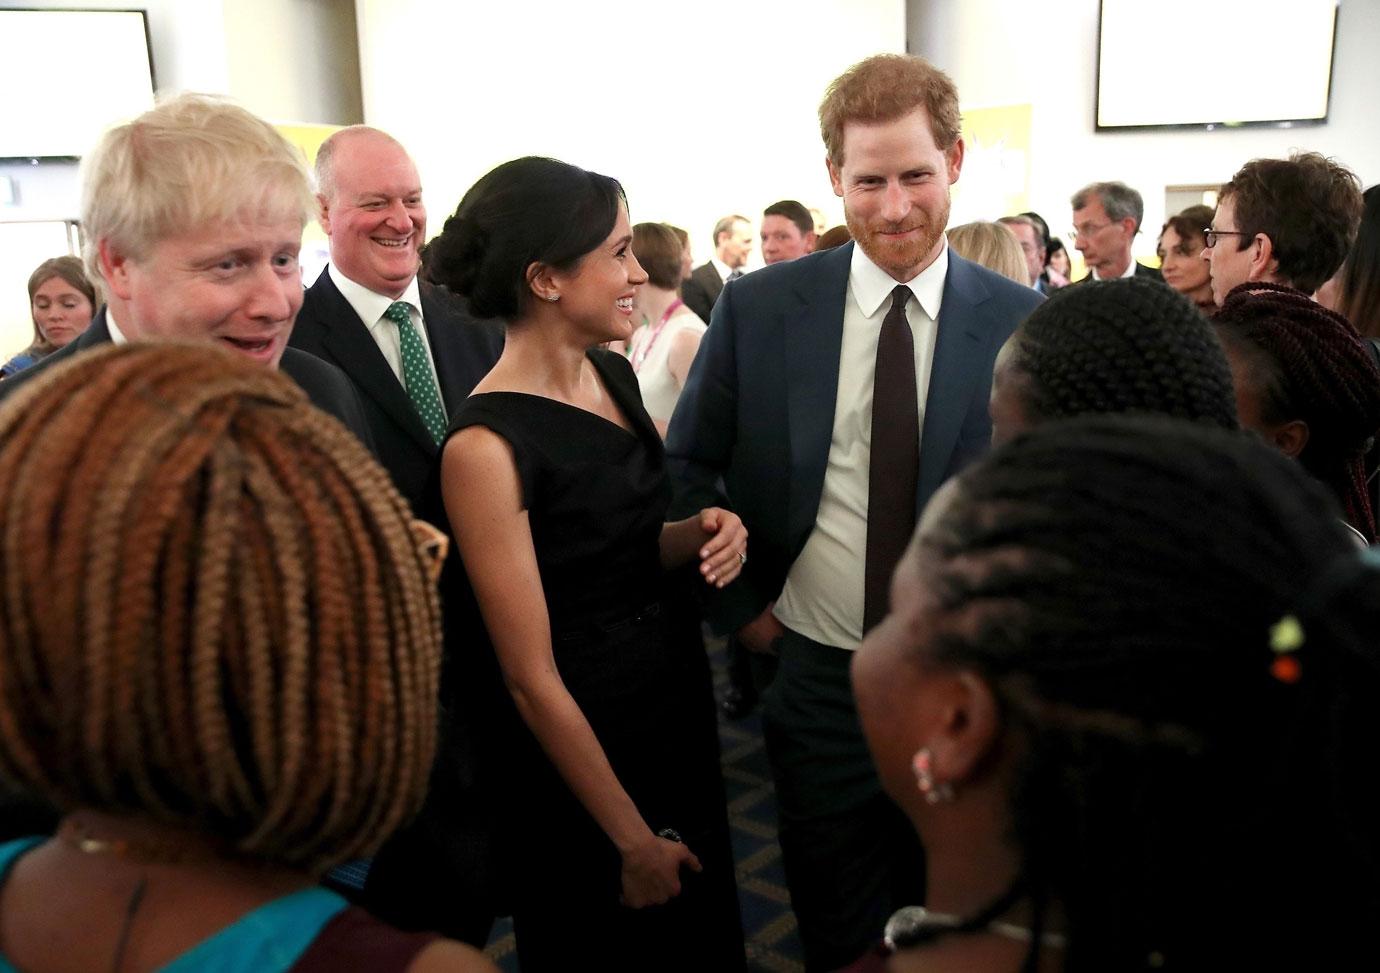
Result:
{"points": [[811, 239], [115, 268], [835, 176], [953, 157], [323, 213]]}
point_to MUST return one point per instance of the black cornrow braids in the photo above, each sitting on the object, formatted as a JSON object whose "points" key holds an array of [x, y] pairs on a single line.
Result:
{"points": [[1129, 345], [1320, 371], [1118, 582]]}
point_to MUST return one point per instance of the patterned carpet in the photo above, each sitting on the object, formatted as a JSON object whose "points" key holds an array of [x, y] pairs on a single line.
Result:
{"points": [[773, 944]]}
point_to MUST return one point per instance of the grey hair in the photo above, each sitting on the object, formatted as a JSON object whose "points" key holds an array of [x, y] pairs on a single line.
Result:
{"points": [[1118, 199]]}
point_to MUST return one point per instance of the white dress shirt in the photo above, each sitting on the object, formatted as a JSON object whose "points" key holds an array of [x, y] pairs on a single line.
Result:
{"points": [[1130, 271], [371, 306], [823, 596]]}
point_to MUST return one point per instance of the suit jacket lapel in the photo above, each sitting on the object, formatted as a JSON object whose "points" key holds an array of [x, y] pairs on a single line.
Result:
{"points": [[813, 335], [354, 350], [959, 357], [96, 333]]}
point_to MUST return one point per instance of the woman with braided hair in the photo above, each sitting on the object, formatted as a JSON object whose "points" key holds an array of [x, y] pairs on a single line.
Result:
{"points": [[219, 650], [1128, 694], [1126, 345], [1307, 383]]}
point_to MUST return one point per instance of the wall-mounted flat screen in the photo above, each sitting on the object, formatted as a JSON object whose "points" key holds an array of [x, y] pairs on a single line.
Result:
{"points": [[67, 75], [1211, 63]]}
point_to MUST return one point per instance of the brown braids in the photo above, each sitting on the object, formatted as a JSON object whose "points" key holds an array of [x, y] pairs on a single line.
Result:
{"points": [[213, 612], [1312, 366]]}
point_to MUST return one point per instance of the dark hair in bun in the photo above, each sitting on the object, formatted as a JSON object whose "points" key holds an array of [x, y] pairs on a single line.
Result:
{"points": [[529, 210]]}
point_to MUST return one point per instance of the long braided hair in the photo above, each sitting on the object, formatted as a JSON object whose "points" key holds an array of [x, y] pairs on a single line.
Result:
{"points": [[1306, 362], [1126, 586], [1129, 345], [212, 610]]}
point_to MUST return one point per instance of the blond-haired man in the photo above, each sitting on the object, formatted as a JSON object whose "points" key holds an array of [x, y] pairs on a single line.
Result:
{"points": [[831, 397], [193, 216]]}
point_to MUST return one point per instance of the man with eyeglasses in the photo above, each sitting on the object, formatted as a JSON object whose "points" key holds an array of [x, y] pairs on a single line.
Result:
{"points": [[1106, 218], [1283, 221]]}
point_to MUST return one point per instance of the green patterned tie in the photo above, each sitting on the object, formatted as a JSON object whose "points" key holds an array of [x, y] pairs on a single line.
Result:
{"points": [[417, 377]]}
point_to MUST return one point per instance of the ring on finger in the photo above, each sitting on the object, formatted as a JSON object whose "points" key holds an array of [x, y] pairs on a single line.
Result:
{"points": [[742, 558]]}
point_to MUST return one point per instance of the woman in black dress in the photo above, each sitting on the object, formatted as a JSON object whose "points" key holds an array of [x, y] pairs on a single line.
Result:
{"points": [[592, 721]]}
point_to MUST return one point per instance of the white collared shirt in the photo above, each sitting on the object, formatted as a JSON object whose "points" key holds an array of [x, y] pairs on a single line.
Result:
{"points": [[117, 337], [823, 596], [1130, 271], [371, 306], [723, 268]]}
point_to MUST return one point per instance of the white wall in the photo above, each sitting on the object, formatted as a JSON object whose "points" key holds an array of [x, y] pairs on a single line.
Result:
{"points": [[294, 61], [699, 110], [1003, 52]]}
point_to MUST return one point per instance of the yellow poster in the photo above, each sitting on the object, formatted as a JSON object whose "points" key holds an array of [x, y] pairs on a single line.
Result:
{"points": [[995, 180]]}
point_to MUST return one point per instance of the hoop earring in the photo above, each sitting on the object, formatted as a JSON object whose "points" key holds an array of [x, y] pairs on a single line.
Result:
{"points": [[934, 791]]}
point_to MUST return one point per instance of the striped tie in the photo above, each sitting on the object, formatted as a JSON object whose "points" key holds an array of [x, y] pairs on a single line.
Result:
{"points": [[417, 377]]}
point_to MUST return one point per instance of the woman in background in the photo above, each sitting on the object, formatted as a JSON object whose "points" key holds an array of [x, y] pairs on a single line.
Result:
{"points": [[219, 646], [1128, 694], [594, 721], [663, 349], [992, 246], [1180, 249], [1308, 384], [1354, 291], [61, 302], [1057, 266]]}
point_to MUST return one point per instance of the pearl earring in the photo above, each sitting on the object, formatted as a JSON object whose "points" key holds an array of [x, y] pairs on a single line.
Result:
{"points": [[935, 791]]}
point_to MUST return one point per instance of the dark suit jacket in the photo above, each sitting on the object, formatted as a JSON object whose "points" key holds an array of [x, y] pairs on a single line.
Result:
{"points": [[702, 289], [463, 348], [327, 388], [758, 406]]}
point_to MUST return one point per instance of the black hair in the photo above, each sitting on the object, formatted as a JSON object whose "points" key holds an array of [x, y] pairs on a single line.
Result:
{"points": [[1307, 362], [1360, 273], [1125, 345], [1041, 224], [529, 210], [1127, 586], [793, 211]]}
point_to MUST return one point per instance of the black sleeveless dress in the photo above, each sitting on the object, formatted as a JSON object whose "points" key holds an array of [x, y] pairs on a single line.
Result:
{"points": [[596, 496]]}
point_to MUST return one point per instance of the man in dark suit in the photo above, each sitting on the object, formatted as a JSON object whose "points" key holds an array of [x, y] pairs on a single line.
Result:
{"points": [[732, 245], [226, 271], [1106, 219], [411, 349], [832, 395]]}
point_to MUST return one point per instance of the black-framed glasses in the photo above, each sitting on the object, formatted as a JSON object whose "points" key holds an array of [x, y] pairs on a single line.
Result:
{"points": [[1210, 235]]}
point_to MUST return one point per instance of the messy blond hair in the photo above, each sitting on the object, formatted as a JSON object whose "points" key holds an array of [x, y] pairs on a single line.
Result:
{"points": [[193, 159]]}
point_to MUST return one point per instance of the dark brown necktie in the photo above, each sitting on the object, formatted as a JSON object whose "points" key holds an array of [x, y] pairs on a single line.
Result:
{"points": [[895, 464]]}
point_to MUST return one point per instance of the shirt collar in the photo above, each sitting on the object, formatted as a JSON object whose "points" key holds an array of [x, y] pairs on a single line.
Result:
{"points": [[723, 268], [370, 305], [117, 337], [871, 285], [1130, 271]]}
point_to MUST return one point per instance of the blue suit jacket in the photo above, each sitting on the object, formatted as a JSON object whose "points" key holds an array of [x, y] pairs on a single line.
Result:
{"points": [[753, 425]]}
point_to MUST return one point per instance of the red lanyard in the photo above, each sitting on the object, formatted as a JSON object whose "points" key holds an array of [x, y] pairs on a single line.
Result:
{"points": [[646, 349]]}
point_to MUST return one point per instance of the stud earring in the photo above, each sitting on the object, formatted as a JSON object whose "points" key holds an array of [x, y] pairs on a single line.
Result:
{"points": [[935, 791], [553, 297]]}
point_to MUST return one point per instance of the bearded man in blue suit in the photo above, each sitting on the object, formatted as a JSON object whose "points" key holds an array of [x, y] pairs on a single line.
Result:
{"points": [[830, 398]]}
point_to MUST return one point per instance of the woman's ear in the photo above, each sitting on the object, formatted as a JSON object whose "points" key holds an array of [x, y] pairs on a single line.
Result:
{"points": [[967, 729], [542, 282], [1290, 438]]}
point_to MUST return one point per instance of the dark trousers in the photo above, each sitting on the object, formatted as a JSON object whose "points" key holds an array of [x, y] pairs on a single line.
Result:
{"points": [[851, 857]]}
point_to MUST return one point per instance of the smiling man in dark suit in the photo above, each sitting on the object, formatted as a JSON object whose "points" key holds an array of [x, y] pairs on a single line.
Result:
{"points": [[411, 349], [831, 396]]}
